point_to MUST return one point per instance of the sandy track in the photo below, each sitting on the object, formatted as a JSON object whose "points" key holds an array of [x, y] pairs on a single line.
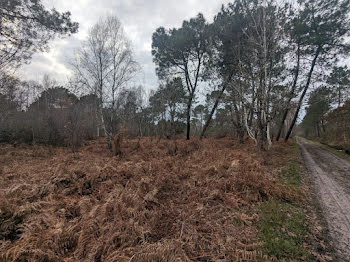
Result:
{"points": [[331, 178]]}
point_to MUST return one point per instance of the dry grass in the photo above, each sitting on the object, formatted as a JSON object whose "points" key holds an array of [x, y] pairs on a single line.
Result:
{"points": [[159, 201]]}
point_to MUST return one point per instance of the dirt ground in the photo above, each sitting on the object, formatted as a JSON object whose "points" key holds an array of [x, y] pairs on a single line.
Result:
{"points": [[331, 178]]}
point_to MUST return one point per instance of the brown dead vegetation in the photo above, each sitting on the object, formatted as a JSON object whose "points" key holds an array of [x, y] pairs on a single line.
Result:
{"points": [[117, 144], [153, 203]]}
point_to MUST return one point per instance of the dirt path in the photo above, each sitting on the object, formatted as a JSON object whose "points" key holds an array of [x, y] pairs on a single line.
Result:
{"points": [[331, 177]]}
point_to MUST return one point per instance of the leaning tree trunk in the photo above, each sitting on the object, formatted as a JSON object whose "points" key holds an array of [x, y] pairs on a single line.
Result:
{"points": [[303, 94], [207, 123], [285, 113]]}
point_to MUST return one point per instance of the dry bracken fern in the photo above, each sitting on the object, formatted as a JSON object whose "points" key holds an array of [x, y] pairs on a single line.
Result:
{"points": [[156, 202]]}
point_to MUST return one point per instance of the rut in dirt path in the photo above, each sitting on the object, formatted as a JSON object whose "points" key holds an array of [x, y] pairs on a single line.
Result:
{"points": [[331, 177]]}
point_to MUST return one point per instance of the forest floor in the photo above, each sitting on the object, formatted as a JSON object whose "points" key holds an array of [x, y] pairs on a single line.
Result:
{"points": [[210, 200], [331, 178]]}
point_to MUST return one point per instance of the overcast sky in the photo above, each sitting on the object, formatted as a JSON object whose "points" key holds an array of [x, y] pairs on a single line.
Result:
{"points": [[140, 18]]}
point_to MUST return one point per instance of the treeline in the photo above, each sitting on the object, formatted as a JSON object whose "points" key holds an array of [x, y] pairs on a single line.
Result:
{"points": [[328, 110], [246, 74], [44, 113], [55, 116], [260, 56]]}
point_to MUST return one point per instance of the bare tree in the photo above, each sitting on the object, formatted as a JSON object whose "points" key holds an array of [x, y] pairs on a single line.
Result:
{"points": [[104, 64]]}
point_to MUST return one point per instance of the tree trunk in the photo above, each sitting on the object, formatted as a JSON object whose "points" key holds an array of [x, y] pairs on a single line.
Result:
{"points": [[172, 119], [285, 114], [241, 133], [269, 142], [265, 92], [189, 104], [344, 135], [97, 122], [103, 126], [250, 134], [323, 126], [33, 136], [207, 123], [260, 137], [97, 131], [303, 94], [102, 122]]}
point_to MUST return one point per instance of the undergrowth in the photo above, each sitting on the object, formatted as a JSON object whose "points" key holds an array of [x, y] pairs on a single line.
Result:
{"points": [[195, 201]]}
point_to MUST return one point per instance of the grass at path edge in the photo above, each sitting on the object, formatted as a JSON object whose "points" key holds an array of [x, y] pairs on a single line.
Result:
{"points": [[283, 226]]}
